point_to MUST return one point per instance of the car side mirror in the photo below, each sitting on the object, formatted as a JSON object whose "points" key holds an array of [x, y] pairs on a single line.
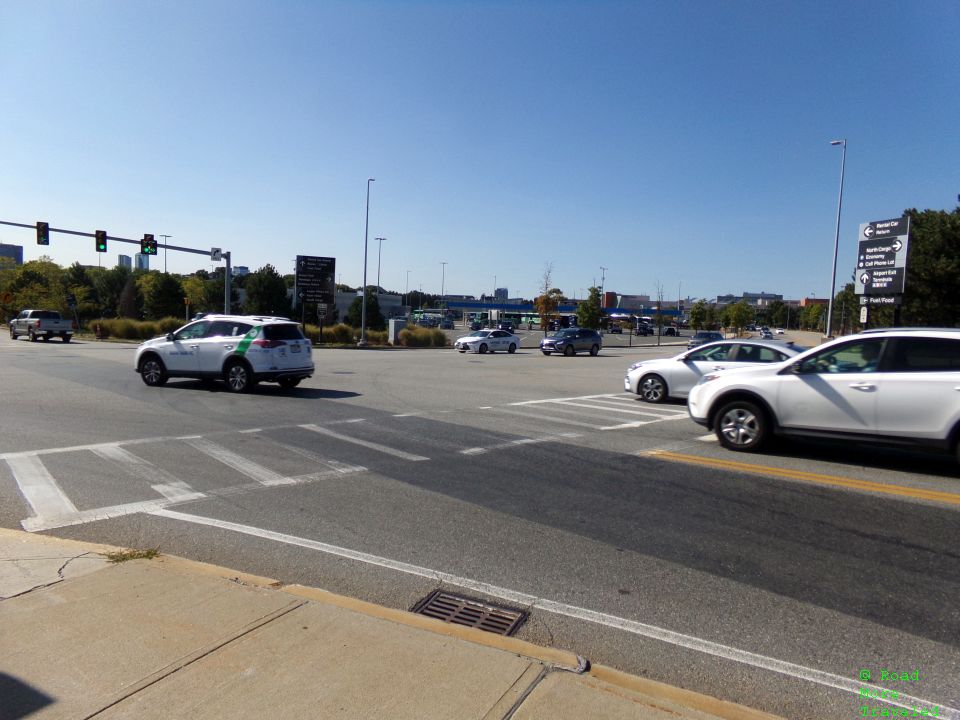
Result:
{"points": [[169, 337]]}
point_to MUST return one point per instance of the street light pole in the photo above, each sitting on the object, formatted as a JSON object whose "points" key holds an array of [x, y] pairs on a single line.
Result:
{"points": [[380, 245], [836, 240], [443, 273], [363, 306], [406, 291]]}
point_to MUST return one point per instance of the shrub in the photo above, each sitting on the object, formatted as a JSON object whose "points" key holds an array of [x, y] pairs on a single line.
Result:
{"points": [[341, 333], [422, 337]]}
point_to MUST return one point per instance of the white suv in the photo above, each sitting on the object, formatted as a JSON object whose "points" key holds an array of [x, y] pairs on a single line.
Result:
{"points": [[240, 349], [893, 386]]}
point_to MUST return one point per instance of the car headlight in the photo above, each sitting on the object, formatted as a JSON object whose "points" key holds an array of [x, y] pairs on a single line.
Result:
{"points": [[634, 366]]}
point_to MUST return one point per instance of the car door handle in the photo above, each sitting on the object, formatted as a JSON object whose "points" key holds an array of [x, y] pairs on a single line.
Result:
{"points": [[228, 347], [865, 386]]}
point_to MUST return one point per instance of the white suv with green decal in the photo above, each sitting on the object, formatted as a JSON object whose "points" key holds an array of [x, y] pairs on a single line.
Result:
{"points": [[240, 349]]}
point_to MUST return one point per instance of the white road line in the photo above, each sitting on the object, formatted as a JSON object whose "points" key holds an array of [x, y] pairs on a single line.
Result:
{"points": [[645, 413], [262, 475], [643, 422], [178, 492], [38, 487], [709, 437], [548, 418], [138, 466], [82, 517], [515, 443], [365, 443], [708, 647], [562, 399]]}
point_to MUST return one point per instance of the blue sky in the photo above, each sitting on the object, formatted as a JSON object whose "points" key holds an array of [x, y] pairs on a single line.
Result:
{"points": [[682, 145]]}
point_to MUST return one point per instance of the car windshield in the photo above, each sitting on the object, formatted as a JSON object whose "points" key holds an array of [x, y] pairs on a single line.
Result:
{"points": [[569, 332], [482, 333]]}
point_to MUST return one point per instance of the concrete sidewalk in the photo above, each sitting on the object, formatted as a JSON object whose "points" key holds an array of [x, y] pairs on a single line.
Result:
{"points": [[82, 637]]}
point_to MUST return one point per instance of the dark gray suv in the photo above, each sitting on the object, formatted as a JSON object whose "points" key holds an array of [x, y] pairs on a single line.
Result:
{"points": [[703, 336], [570, 341]]}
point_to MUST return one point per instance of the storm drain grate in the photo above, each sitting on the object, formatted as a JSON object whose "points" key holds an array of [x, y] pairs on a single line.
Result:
{"points": [[472, 613]]}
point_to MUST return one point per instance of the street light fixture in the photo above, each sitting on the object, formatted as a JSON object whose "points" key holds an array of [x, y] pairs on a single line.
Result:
{"points": [[380, 245], [363, 306], [836, 240]]}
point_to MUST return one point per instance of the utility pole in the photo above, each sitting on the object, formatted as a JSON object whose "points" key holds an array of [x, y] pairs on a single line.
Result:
{"points": [[165, 238]]}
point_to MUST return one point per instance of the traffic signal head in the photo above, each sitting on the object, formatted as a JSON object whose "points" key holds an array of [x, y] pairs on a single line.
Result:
{"points": [[148, 246], [101, 236], [43, 233]]}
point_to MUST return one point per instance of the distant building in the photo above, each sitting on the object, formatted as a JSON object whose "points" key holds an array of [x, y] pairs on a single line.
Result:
{"points": [[761, 299], [124, 261], [241, 270], [14, 252], [143, 261], [501, 294]]}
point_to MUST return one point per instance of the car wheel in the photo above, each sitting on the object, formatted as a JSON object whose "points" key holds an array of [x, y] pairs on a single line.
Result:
{"points": [[46, 338], [546, 352], [653, 388], [482, 349], [287, 382], [741, 426], [13, 335], [461, 350], [512, 349], [238, 377], [568, 351], [33, 338], [65, 338], [595, 350], [153, 372]]}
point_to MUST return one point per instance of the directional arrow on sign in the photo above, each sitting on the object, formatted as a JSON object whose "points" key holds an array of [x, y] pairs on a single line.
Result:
{"points": [[868, 231], [897, 245], [865, 278]]}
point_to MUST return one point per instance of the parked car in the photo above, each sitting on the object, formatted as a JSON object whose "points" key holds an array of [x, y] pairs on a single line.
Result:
{"points": [[657, 380], [483, 341], [476, 325], [616, 329], [780, 331], [446, 324], [766, 335], [506, 325], [242, 350], [644, 329], [703, 336], [891, 386], [570, 341], [41, 325]]}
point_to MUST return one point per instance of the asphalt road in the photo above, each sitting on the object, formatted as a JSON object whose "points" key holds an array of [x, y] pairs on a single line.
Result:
{"points": [[528, 480]]}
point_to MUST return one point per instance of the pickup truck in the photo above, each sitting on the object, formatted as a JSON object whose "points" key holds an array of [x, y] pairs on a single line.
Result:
{"points": [[44, 324]]}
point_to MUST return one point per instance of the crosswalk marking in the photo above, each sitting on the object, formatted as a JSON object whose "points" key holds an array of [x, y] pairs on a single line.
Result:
{"points": [[515, 443], [137, 466], [38, 487], [548, 418], [262, 475], [364, 443]]}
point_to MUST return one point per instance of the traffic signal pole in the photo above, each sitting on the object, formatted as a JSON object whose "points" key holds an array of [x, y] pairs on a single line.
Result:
{"points": [[165, 246]]}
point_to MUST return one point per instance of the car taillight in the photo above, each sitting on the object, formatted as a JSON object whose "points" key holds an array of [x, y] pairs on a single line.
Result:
{"points": [[269, 343]]}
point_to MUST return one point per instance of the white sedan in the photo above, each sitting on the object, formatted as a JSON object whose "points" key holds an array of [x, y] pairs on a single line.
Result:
{"points": [[483, 341], [657, 380]]}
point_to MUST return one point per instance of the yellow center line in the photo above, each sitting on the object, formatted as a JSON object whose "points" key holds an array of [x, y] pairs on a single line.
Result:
{"points": [[884, 489]]}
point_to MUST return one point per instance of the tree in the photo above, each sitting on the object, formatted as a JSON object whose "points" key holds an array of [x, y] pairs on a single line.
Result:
{"points": [[266, 293], [931, 294], [547, 304], [375, 319], [165, 298], [698, 315], [128, 304], [109, 284], [589, 312], [195, 291], [739, 315]]}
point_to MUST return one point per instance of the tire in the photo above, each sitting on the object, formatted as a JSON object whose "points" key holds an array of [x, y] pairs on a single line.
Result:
{"points": [[512, 349], [546, 352], [13, 335], [652, 389], [153, 372], [238, 377], [482, 349], [46, 338], [741, 426], [287, 382], [65, 338], [461, 351], [33, 338], [569, 351], [595, 350]]}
